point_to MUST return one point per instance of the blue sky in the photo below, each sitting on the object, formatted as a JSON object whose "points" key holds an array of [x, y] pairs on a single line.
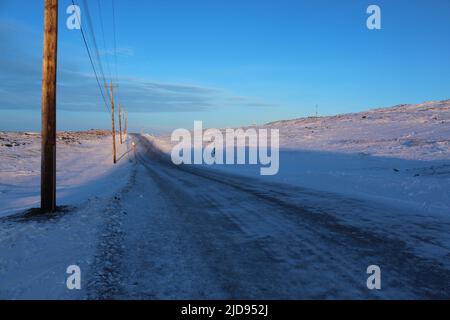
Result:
{"points": [[228, 63]]}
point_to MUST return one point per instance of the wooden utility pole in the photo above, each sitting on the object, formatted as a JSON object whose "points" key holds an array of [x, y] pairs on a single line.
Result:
{"points": [[120, 124], [48, 130], [126, 123], [123, 121], [113, 123]]}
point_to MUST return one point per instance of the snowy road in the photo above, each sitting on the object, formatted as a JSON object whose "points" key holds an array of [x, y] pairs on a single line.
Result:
{"points": [[353, 190], [191, 233]]}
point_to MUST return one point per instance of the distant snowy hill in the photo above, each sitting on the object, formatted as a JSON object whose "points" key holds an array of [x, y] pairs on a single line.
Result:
{"points": [[420, 132]]}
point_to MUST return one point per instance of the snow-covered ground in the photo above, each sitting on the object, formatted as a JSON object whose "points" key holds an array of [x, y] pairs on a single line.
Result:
{"points": [[415, 132], [399, 154], [84, 167], [35, 252]]}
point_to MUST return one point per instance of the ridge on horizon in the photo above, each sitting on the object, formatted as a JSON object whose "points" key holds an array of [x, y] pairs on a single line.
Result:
{"points": [[371, 110]]}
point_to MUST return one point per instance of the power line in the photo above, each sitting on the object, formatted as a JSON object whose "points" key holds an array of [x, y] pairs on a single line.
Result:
{"points": [[90, 59], [115, 38], [100, 10], [94, 41], [115, 49]]}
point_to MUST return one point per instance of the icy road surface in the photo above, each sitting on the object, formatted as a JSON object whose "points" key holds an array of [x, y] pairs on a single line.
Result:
{"points": [[189, 233]]}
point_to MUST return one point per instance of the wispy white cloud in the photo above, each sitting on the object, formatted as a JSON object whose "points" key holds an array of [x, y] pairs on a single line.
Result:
{"points": [[78, 90]]}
